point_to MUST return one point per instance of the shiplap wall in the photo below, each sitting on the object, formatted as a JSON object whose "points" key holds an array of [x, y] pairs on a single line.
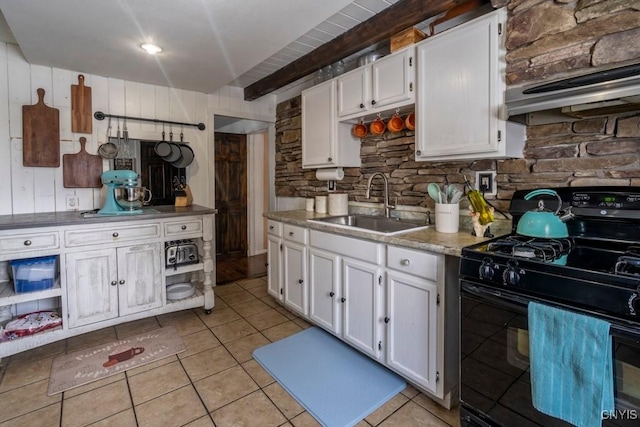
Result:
{"points": [[31, 189]]}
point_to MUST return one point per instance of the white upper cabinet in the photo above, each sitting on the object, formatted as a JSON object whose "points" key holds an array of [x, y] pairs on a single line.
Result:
{"points": [[385, 84], [460, 97], [325, 142]]}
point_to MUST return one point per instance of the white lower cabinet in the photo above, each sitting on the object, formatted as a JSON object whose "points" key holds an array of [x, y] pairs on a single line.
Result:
{"points": [[107, 283], [362, 291], [274, 267], [324, 283], [412, 334], [294, 280]]}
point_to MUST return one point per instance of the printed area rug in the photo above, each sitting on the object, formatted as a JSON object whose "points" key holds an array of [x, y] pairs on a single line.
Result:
{"points": [[335, 383], [84, 366]]}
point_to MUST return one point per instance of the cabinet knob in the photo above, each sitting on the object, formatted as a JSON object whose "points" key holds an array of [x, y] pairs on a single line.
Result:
{"points": [[386, 320], [114, 283], [291, 233], [419, 153], [330, 159], [266, 264], [361, 105], [27, 242], [271, 227], [121, 282], [373, 102], [332, 294], [405, 262], [343, 299], [115, 234], [184, 227], [301, 281]]}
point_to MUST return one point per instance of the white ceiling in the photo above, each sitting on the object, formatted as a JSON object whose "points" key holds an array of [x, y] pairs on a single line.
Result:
{"points": [[207, 43]]}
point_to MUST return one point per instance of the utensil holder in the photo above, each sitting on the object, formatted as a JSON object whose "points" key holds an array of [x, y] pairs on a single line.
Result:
{"points": [[184, 197], [447, 217]]}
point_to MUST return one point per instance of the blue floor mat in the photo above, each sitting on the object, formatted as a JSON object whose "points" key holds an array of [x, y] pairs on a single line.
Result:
{"points": [[335, 383]]}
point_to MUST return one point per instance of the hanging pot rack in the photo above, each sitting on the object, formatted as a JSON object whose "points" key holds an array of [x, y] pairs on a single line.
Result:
{"points": [[99, 115]]}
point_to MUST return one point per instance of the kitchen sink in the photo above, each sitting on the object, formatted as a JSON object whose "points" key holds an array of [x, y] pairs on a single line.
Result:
{"points": [[376, 224]]}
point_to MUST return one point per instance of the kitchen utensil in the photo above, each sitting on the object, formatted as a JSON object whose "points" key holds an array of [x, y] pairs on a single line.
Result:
{"points": [[175, 153], [542, 222], [186, 157], [410, 121], [162, 148], [395, 123], [360, 130], [108, 150], [180, 290], [377, 127], [81, 120], [455, 198], [434, 191], [81, 170], [40, 134]]}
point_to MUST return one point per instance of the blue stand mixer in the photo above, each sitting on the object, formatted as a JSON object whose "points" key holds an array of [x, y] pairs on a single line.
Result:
{"points": [[119, 183]]}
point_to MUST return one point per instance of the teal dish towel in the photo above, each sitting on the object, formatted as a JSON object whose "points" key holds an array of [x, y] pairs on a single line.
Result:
{"points": [[571, 365]]}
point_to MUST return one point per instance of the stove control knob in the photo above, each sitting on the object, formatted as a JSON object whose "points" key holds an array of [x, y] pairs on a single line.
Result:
{"points": [[512, 274], [487, 269]]}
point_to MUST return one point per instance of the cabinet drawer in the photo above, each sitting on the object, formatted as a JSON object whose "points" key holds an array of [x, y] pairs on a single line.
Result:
{"points": [[363, 250], [421, 264], [295, 234], [111, 234], [274, 227], [186, 226], [29, 242]]}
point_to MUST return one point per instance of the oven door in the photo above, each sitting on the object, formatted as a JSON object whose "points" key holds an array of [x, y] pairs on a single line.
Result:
{"points": [[494, 367]]}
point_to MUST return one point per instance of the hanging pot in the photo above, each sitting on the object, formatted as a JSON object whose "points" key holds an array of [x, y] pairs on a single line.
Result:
{"points": [[542, 222], [162, 148], [174, 155], [187, 157]]}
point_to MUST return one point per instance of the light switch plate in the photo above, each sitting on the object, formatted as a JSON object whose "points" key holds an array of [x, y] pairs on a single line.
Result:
{"points": [[486, 182]]}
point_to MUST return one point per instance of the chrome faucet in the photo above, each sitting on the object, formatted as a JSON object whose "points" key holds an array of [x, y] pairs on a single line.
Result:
{"points": [[387, 206]]}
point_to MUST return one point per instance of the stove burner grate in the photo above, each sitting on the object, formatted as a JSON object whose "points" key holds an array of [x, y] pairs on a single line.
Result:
{"points": [[629, 263], [546, 250]]}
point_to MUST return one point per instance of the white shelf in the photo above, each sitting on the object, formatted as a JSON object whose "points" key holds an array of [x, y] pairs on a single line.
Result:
{"points": [[172, 271], [195, 300], [8, 295]]}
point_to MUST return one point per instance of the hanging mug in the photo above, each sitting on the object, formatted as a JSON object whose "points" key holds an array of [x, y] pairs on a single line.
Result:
{"points": [[395, 123], [360, 130], [377, 126], [410, 121]]}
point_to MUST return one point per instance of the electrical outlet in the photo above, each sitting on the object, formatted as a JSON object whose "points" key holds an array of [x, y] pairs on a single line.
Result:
{"points": [[73, 202], [486, 182], [331, 186]]}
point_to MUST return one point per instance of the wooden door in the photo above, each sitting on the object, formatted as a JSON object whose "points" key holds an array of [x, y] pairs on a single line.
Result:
{"points": [[231, 195], [157, 175]]}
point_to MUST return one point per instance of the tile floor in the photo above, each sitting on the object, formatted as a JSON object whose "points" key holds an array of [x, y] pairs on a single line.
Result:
{"points": [[214, 382]]}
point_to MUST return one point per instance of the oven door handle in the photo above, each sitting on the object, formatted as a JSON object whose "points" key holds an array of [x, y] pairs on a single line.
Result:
{"points": [[494, 295]]}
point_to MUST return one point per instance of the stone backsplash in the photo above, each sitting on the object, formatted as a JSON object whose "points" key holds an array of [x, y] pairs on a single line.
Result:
{"points": [[545, 39]]}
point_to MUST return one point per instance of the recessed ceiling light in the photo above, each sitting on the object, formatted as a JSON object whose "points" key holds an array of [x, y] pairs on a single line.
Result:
{"points": [[151, 49]]}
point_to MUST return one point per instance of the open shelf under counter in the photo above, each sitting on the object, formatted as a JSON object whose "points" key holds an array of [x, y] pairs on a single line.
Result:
{"points": [[173, 271], [195, 300], [28, 342], [8, 295]]}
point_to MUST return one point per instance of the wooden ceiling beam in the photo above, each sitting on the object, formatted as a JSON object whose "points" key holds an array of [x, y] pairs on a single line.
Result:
{"points": [[398, 17]]}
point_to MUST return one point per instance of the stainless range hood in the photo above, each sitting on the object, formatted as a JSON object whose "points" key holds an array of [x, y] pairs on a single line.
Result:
{"points": [[604, 92]]}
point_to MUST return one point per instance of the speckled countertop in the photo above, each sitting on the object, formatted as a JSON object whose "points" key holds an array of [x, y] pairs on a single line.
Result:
{"points": [[426, 239], [52, 219]]}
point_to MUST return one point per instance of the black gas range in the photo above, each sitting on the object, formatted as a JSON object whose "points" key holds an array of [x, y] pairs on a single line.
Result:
{"points": [[597, 267], [594, 269]]}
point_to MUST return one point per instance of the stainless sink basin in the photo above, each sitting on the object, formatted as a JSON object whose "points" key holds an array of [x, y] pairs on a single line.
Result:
{"points": [[376, 224]]}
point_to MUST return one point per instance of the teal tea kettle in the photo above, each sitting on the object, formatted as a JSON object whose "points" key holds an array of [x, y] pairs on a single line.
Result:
{"points": [[541, 222]]}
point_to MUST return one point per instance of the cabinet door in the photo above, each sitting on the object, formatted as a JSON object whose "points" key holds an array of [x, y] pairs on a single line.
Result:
{"points": [[392, 79], [458, 103], [361, 299], [318, 125], [354, 92], [274, 267], [412, 328], [92, 286], [324, 295], [295, 275], [139, 278]]}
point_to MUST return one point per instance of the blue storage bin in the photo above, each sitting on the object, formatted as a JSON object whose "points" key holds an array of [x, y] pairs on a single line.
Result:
{"points": [[34, 274]]}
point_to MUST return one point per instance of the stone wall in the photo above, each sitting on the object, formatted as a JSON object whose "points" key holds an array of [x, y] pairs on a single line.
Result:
{"points": [[596, 151]]}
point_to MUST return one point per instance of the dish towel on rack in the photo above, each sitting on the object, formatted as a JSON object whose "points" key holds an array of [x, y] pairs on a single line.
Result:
{"points": [[571, 365]]}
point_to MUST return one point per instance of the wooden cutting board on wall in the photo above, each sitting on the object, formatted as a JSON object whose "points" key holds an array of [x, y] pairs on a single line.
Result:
{"points": [[81, 119], [40, 134], [81, 170]]}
